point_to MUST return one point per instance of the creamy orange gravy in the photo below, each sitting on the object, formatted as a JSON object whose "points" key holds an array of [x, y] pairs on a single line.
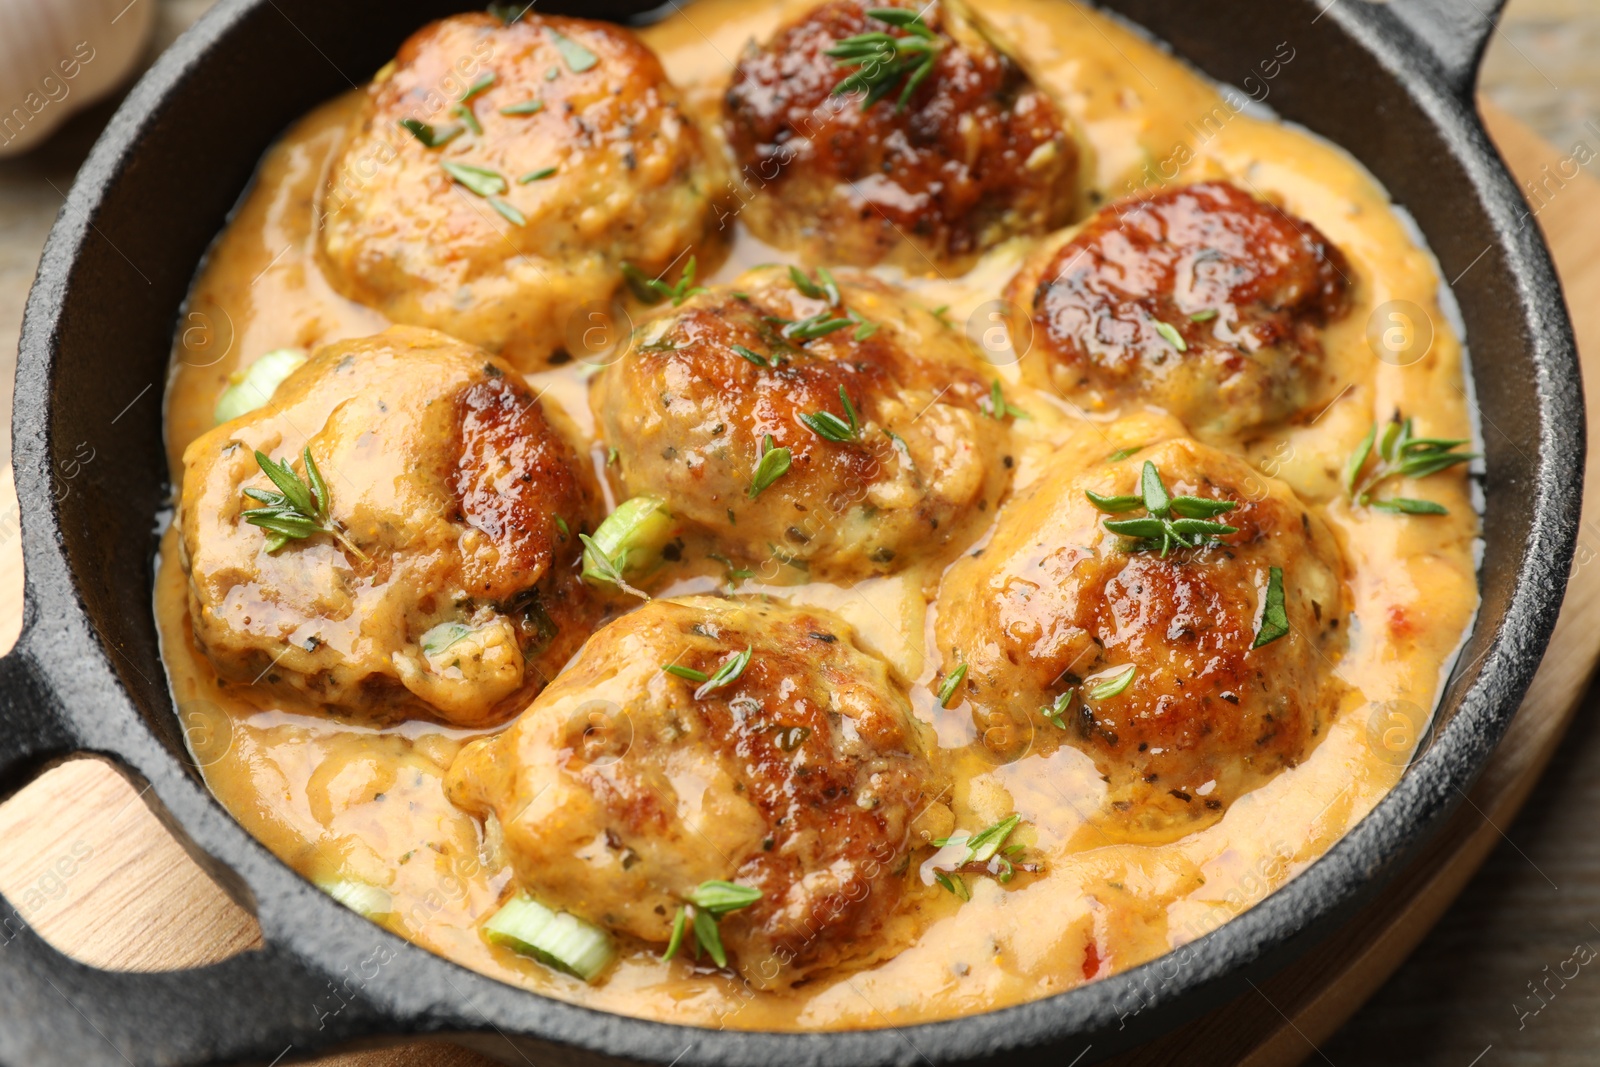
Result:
{"points": [[341, 801]]}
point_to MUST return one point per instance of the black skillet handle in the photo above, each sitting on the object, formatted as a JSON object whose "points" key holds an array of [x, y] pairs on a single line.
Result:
{"points": [[1454, 32], [256, 1006]]}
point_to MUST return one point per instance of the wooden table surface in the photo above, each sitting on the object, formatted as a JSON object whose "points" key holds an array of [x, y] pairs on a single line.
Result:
{"points": [[89, 866]]}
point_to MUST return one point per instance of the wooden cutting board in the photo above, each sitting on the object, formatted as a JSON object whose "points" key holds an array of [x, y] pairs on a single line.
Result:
{"points": [[95, 873]]}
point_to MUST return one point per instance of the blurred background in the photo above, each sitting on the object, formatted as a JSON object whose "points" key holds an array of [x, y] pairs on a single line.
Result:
{"points": [[1467, 997]]}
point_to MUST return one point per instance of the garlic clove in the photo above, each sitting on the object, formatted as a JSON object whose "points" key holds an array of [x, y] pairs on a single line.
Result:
{"points": [[59, 56]]}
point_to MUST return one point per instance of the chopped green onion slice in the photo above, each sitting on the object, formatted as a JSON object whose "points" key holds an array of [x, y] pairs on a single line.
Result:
{"points": [[527, 107], [554, 938], [537, 175], [630, 541], [443, 636], [361, 897], [252, 388]]}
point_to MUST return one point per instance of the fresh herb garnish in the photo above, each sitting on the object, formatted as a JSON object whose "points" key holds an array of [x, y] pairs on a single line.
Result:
{"points": [[986, 853], [882, 59], [754, 357], [827, 425], [468, 118], [1170, 334], [688, 674], [1274, 618], [577, 57], [485, 81], [772, 464], [601, 566], [1400, 455], [508, 211], [433, 136], [653, 290], [824, 288], [998, 407], [298, 510], [1115, 684], [726, 674], [707, 904], [813, 326], [527, 107], [1204, 315], [1055, 710], [1191, 529], [480, 180], [442, 637], [1123, 453], [951, 681], [536, 175]]}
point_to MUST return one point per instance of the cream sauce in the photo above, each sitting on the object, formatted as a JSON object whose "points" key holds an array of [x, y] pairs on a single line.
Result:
{"points": [[341, 801]]}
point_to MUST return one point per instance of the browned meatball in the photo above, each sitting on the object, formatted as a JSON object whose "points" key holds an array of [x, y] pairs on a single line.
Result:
{"points": [[624, 787], [979, 153], [594, 166], [1201, 300], [690, 417], [447, 588], [1057, 607]]}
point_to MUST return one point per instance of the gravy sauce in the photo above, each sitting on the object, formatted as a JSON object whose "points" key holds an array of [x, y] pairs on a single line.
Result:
{"points": [[336, 800]]}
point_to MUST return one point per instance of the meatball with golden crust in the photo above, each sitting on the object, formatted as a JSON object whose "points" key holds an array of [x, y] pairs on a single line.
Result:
{"points": [[1201, 300], [1231, 644], [765, 365], [798, 770], [584, 162], [445, 585], [977, 153]]}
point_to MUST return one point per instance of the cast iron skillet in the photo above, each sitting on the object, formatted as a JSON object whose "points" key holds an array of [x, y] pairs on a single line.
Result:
{"points": [[1390, 82]]}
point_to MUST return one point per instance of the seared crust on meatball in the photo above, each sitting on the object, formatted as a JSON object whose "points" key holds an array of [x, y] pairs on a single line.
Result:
{"points": [[1056, 606], [456, 597], [1202, 300], [607, 170], [978, 154], [691, 416], [623, 787]]}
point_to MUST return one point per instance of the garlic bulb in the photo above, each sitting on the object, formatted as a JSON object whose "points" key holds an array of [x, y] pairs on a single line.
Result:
{"points": [[57, 56]]}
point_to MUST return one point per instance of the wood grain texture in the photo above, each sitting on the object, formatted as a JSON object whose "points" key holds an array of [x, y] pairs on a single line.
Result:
{"points": [[90, 867]]}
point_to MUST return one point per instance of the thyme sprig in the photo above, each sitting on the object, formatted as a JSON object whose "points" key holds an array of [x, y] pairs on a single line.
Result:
{"points": [[1191, 528], [881, 59], [1399, 454], [986, 853], [704, 907], [827, 425], [653, 290], [299, 509]]}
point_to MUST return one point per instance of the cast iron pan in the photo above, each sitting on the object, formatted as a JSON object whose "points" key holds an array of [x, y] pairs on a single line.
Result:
{"points": [[1390, 82]]}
